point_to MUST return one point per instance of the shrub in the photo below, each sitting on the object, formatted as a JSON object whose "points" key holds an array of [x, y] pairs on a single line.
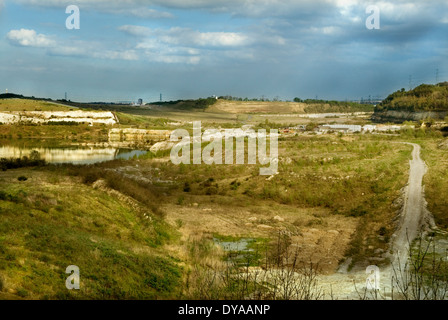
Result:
{"points": [[22, 293], [235, 184], [180, 200]]}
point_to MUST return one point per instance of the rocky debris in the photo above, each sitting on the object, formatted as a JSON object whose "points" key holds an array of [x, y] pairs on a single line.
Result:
{"points": [[265, 227], [286, 160], [143, 136], [163, 145], [278, 218], [443, 145]]}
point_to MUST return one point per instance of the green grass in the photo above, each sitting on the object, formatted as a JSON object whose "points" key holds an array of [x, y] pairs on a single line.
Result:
{"points": [[252, 255], [126, 119], [31, 105], [46, 228], [435, 154], [52, 135]]}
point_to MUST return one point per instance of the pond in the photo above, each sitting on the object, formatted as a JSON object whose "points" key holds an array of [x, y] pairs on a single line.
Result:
{"points": [[73, 155], [242, 251], [236, 245]]}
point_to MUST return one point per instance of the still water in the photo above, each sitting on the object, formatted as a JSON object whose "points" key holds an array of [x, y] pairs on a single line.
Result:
{"points": [[74, 155]]}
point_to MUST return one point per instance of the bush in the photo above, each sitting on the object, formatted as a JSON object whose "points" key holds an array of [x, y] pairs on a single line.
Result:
{"points": [[211, 191], [22, 178], [22, 293], [15, 163], [235, 184]]}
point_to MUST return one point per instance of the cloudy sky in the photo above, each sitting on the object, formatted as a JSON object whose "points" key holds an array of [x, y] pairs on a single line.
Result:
{"points": [[125, 50]]}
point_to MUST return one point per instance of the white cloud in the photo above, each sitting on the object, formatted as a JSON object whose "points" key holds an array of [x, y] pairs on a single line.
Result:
{"points": [[157, 51], [136, 30], [188, 37], [129, 55], [29, 38], [135, 8], [191, 46], [183, 45], [143, 13], [90, 50]]}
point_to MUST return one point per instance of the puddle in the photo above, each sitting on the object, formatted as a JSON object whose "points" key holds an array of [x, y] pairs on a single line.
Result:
{"points": [[239, 245]]}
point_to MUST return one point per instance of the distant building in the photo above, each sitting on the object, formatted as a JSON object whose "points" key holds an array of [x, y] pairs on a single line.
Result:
{"points": [[369, 128], [385, 128], [340, 127], [140, 102]]}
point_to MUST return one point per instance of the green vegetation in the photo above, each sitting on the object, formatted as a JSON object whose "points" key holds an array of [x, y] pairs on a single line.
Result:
{"points": [[126, 119], [235, 280], [243, 251], [188, 105], [27, 104], [425, 277], [326, 106], [32, 161], [422, 98], [46, 227], [147, 194], [435, 154], [53, 135]]}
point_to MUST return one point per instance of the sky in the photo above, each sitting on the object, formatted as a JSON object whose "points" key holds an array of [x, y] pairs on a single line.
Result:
{"points": [[187, 49]]}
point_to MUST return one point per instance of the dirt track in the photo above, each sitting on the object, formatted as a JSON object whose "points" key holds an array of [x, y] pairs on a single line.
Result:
{"points": [[414, 216], [414, 209]]}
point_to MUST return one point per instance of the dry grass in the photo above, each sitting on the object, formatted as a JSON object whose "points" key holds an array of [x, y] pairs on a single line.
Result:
{"points": [[31, 105]]}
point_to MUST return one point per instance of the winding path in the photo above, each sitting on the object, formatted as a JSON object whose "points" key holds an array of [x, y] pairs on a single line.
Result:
{"points": [[413, 214], [411, 221]]}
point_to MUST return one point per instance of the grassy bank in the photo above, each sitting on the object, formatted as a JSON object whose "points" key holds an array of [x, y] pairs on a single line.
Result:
{"points": [[49, 222], [54, 134], [435, 154], [31, 105]]}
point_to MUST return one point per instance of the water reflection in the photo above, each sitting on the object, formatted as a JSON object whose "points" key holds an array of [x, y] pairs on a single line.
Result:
{"points": [[74, 155]]}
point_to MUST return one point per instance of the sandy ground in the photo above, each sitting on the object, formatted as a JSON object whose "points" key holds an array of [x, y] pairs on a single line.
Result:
{"points": [[414, 214], [258, 107], [324, 245]]}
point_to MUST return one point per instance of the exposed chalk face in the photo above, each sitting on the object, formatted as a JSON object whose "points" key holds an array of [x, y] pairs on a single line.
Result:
{"points": [[138, 135], [213, 152], [40, 117]]}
